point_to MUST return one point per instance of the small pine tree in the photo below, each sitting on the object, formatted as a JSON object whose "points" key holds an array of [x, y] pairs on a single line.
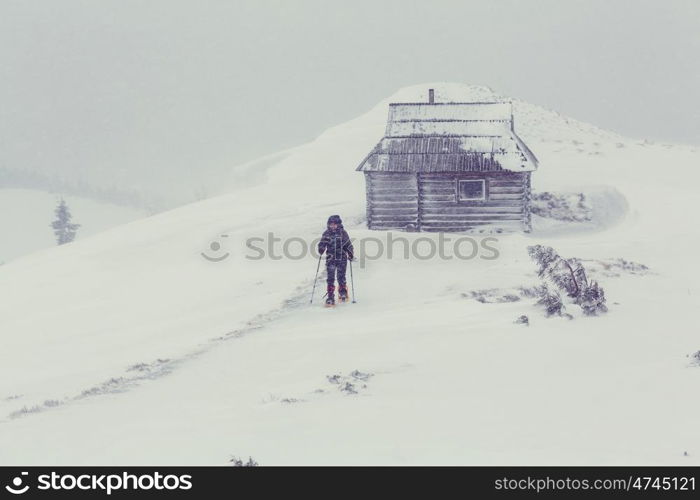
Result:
{"points": [[63, 228], [569, 276], [550, 300], [592, 300]]}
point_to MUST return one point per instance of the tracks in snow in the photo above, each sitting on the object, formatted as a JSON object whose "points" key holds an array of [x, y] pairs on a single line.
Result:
{"points": [[141, 372]]}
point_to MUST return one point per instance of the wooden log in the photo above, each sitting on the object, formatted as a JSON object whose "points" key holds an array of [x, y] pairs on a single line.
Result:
{"points": [[439, 186], [463, 211], [496, 197], [484, 206], [497, 183], [394, 199], [390, 227], [426, 179], [446, 190], [439, 197], [394, 222], [404, 219], [399, 209], [398, 214], [406, 180], [393, 190], [465, 217], [505, 190], [466, 225]]}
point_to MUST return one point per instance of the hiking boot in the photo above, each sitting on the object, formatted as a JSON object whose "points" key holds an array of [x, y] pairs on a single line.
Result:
{"points": [[343, 293], [330, 296]]}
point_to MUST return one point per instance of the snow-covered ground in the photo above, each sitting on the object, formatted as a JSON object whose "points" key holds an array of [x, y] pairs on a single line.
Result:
{"points": [[26, 215], [132, 347]]}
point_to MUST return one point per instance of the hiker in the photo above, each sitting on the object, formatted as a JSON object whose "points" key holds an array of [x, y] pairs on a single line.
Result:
{"points": [[336, 244]]}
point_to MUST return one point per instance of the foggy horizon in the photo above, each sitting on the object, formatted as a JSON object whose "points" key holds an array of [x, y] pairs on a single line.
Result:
{"points": [[118, 92]]}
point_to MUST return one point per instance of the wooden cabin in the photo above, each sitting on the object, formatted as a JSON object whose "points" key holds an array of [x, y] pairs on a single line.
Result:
{"points": [[449, 166]]}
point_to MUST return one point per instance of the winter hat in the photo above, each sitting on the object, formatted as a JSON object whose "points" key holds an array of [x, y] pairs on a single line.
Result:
{"points": [[335, 219]]}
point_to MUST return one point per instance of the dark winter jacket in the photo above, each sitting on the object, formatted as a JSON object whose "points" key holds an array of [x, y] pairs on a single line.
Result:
{"points": [[335, 243]]}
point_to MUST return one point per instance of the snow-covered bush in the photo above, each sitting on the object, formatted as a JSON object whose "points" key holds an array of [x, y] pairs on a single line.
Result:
{"points": [[352, 383], [522, 320], [615, 267], [568, 276], [551, 301], [695, 358], [592, 299], [570, 207], [552, 267], [493, 295]]}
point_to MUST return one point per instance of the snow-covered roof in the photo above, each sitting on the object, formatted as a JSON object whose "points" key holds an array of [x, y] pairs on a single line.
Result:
{"points": [[450, 137]]}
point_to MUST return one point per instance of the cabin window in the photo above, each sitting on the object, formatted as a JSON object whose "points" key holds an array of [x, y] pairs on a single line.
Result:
{"points": [[472, 190]]}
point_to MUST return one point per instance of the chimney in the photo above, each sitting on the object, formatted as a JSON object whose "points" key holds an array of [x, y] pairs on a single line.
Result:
{"points": [[431, 96]]}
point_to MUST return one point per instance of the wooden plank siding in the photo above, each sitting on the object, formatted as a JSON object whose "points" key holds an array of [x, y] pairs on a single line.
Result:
{"points": [[527, 199], [441, 210], [430, 201], [392, 200]]}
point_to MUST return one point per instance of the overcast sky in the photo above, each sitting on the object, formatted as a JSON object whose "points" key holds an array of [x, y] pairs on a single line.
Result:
{"points": [[128, 88]]}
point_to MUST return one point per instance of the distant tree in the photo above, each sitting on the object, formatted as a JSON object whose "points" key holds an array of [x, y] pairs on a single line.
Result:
{"points": [[62, 226]]}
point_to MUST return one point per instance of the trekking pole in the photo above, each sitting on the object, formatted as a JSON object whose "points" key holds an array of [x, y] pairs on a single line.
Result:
{"points": [[352, 282], [318, 266]]}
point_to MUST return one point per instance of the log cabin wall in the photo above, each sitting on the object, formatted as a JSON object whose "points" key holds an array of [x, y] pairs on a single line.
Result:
{"points": [[432, 201], [392, 200], [504, 205]]}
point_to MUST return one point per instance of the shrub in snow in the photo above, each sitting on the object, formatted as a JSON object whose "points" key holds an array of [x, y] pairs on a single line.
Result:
{"points": [[592, 300], [523, 320], [615, 267], [696, 358], [62, 227], [631, 267], [551, 301], [352, 383], [562, 273], [358, 375], [25, 410], [569, 207], [348, 388], [492, 295], [290, 400], [568, 276], [237, 462]]}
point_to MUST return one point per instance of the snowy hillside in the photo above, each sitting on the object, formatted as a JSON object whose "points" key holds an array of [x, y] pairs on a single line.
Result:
{"points": [[135, 346], [25, 215]]}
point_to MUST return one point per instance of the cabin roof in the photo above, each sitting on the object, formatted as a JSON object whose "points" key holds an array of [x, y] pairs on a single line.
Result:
{"points": [[450, 137]]}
